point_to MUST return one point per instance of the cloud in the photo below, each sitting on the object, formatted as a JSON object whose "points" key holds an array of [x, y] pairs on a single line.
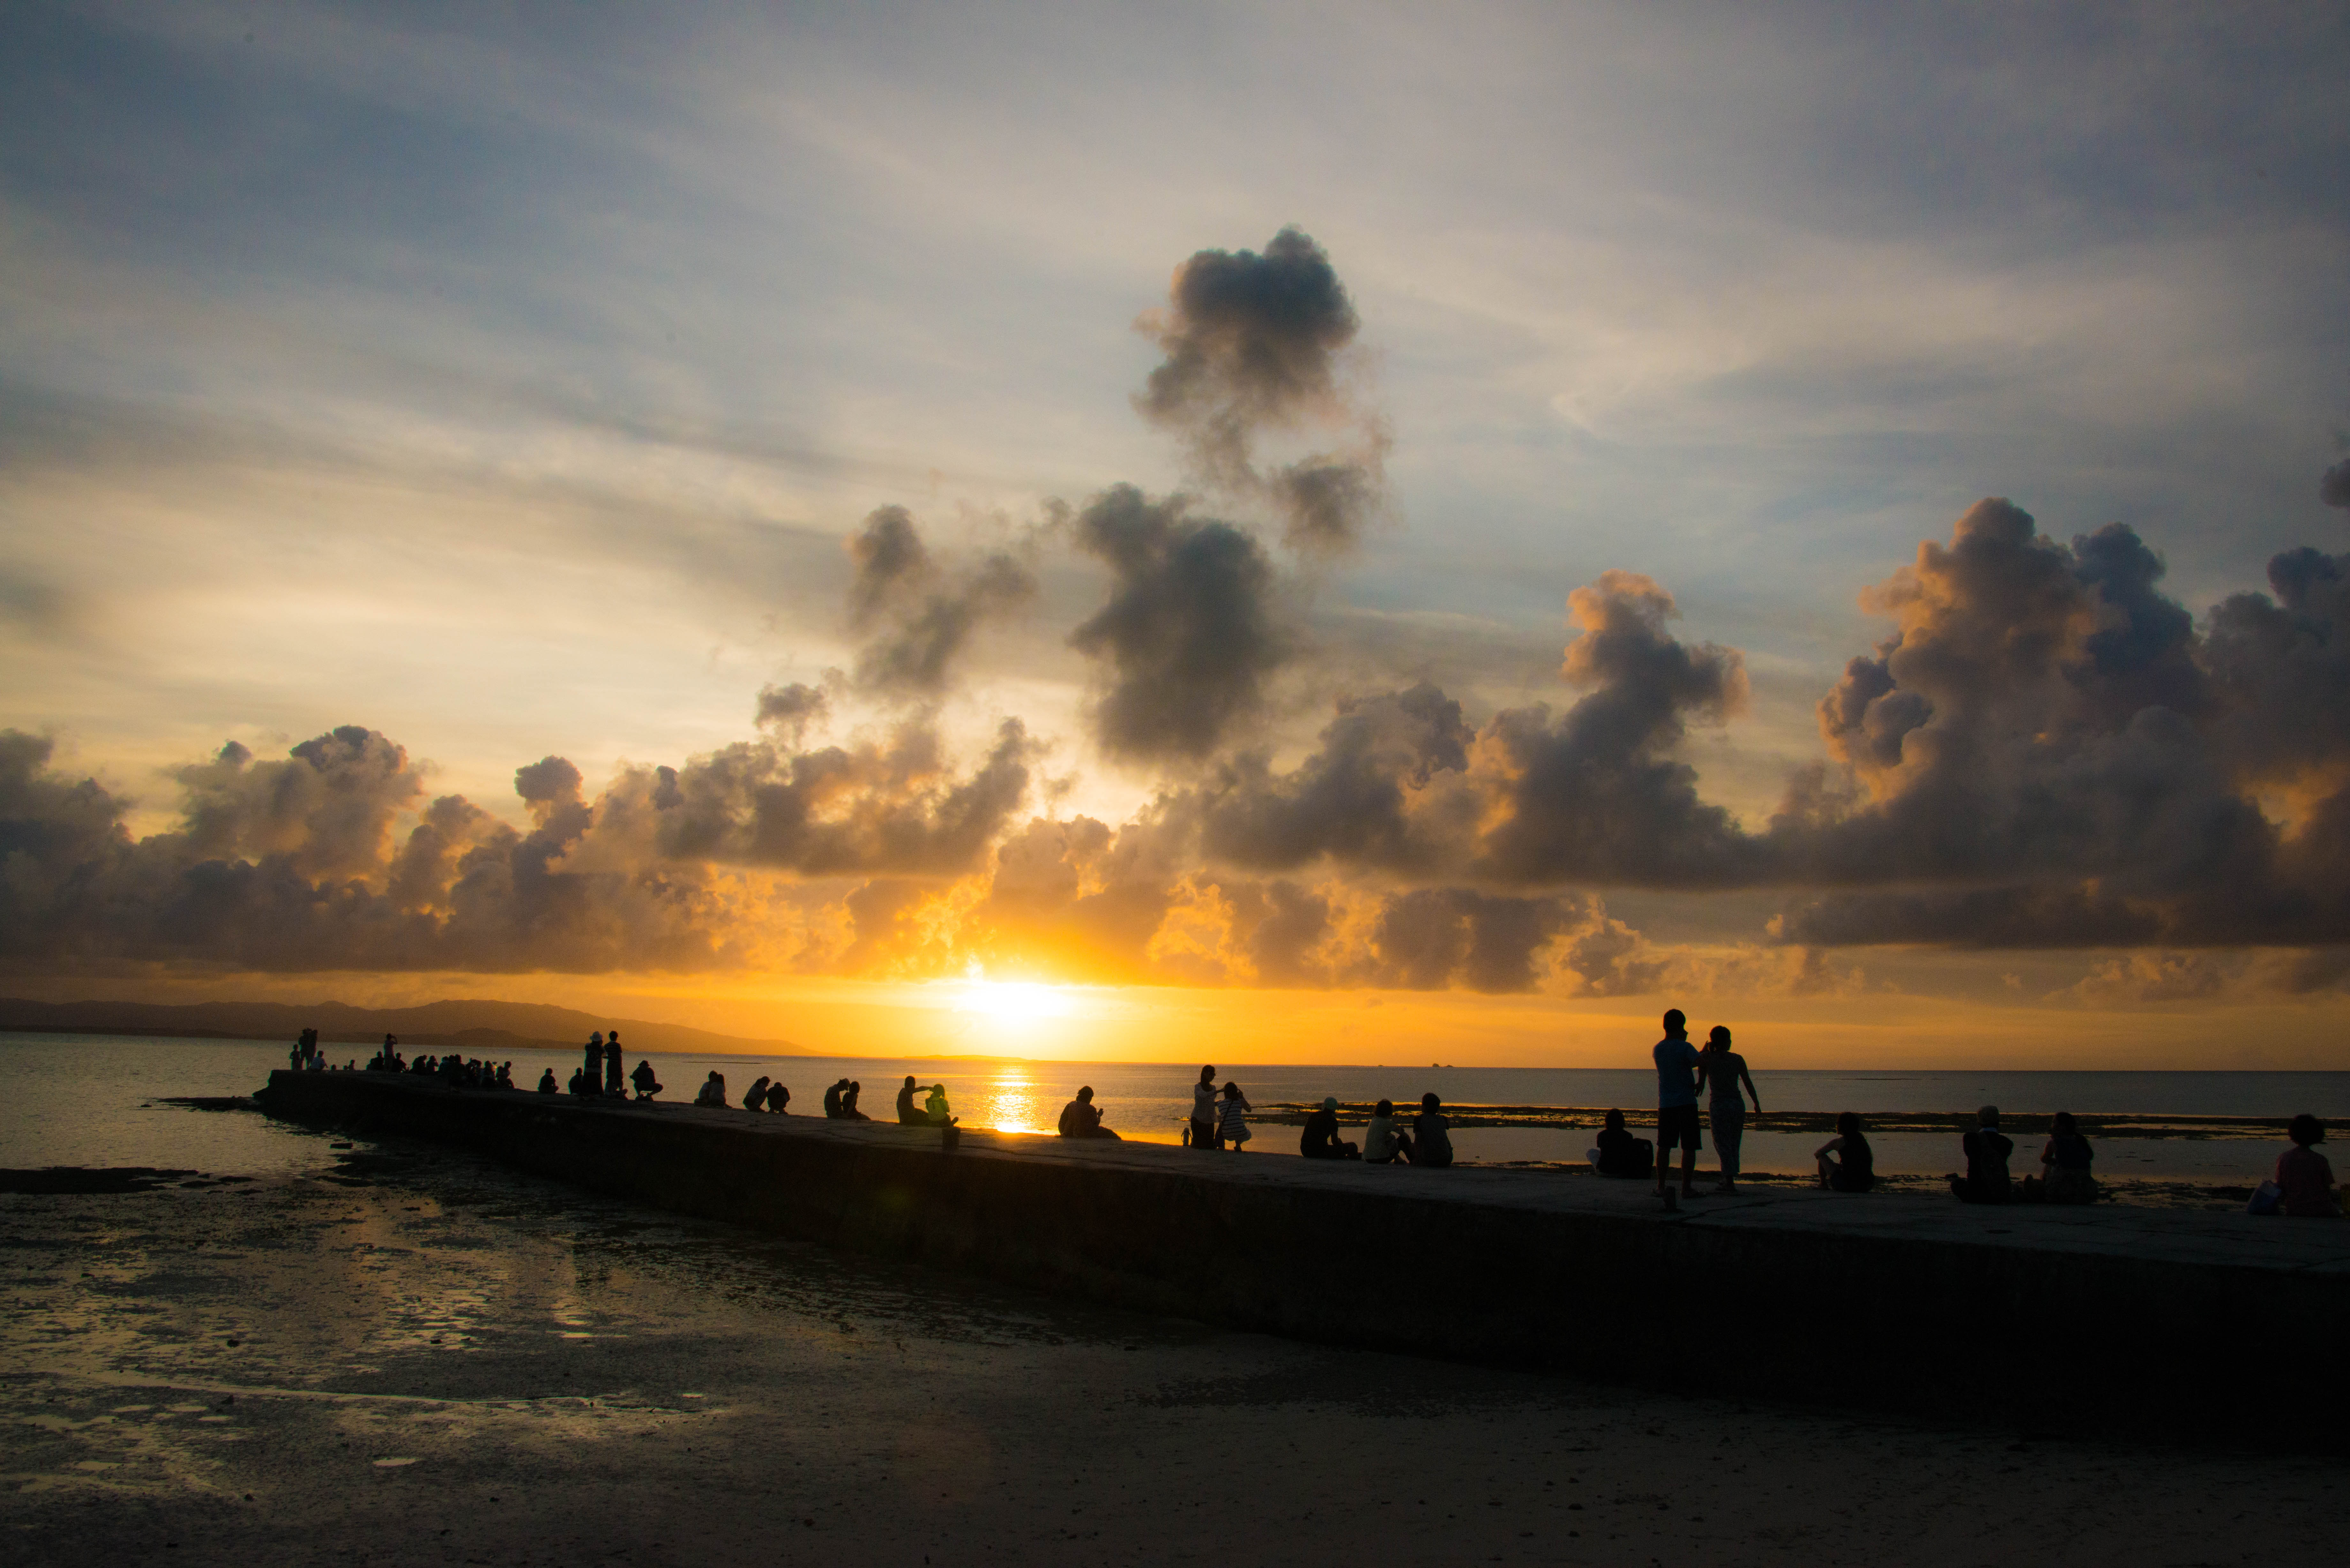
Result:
{"points": [[923, 613], [1188, 638], [332, 858], [2334, 488], [1253, 344], [790, 710]]}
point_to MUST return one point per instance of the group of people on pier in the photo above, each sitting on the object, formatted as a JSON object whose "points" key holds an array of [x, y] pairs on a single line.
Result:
{"points": [[1716, 1076]]}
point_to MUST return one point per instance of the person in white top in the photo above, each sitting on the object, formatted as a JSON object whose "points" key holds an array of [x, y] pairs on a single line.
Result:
{"points": [[1204, 1110], [1720, 1071]]}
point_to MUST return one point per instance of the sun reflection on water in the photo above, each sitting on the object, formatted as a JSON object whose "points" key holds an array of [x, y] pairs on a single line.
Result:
{"points": [[1010, 1102]]}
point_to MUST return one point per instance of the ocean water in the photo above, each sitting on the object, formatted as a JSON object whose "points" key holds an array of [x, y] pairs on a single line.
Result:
{"points": [[94, 1100]]}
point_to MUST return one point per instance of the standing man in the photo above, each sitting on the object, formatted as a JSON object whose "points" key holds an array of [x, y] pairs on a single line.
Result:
{"points": [[1677, 1065], [613, 1083]]}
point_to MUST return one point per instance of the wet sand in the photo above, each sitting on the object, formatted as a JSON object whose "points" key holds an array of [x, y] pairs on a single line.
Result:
{"points": [[425, 1358]]}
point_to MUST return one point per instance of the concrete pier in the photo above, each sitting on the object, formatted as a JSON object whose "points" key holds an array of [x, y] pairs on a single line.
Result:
{"points": [[2052, 1317]]}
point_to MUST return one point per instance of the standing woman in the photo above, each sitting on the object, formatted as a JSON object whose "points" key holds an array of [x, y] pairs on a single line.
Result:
{"points": [[1204, 1110], [1722, 1070], [1231, 1124]]}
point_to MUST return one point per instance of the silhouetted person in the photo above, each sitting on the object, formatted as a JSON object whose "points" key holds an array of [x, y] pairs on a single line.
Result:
{"points": [[2304, 1175], [1987, 1148], [1677, 1128], [779, 1100], [1320, 1139], [392, 1062], [934, 1107], [1383, 1142], [1082, 1118], [1203, 1111], [572, 1085], [754, 1099], [592, 1067], [505, 1075], [1431, 1135], [908, 1113], [2064, 1163], [1231, 1118], [1846, 1162], [546, 1085], [713, 1091], [612, 1063], [647, 1084], [1618, 1153], [848, 1111], [832, 1101], [1721, 1070]]}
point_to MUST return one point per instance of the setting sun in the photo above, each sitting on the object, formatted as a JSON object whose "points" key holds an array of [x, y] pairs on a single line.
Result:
{"points": [[1013, 1000]]}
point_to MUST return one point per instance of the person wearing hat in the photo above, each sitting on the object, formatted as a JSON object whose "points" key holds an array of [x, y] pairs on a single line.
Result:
{"points": [[1320, 1139], [1987, 1148], [1081, 1118]]}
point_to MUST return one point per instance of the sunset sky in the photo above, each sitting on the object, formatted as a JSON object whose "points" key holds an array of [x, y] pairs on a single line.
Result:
{"points": [[1282, 533]]}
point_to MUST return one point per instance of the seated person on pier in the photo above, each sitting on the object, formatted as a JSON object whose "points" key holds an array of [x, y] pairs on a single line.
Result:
{"points": [[908, 1113], [832, 1100], [1382, 1143], [779, 1100], [1081, 1118], [935, 1108], [546, 1085], [1986, 1180], [2063, 1167], [1431, 1135], [848, 1111], [2304, 1175], [1846, 1162], [713, 1092], [1320, 1139], [754, 1099], [648, 1083], [1618, 1153], [505, 1075]]}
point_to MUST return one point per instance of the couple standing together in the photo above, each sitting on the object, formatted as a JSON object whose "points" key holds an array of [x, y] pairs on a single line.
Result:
{"points": [[1682, 1071]]}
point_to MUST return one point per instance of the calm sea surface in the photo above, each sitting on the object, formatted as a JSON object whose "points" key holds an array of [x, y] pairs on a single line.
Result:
{"points": [[91, 1100]]}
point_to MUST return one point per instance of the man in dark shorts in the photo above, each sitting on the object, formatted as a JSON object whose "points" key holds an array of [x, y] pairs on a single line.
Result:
{"points": [[1677, 1124]]}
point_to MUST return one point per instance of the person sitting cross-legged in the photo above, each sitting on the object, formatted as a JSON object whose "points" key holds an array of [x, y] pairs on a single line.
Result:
{"points": [[1082, 1118], [1320, 1139]]}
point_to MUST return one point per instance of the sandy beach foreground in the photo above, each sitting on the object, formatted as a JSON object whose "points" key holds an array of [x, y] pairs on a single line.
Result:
{"points": [[427, 1359]]}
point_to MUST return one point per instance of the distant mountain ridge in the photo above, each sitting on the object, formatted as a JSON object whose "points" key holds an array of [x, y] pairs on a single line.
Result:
{"points": [[473, 1026]]}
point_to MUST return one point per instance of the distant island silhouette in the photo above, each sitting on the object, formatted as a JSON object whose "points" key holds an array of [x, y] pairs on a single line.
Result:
{"points": [[474, 1026]]}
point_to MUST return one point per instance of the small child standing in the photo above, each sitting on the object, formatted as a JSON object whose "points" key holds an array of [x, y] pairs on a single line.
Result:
{"points": [[1232, 1123]]}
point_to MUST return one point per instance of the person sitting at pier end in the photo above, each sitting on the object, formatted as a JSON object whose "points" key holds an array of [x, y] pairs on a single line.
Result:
{"points": [[779, 1100], [1431, 1135], [848, 1111], [754, 1099], [647, 1084], [1846, 1162], [546, 1085], [908, 1113], [1618, 1153], [1203, 1111], [1383, 1142], [2304, 1175], [1987, 1148], [1320, 1139], [832, 1100], [1082, 1118], [713, 1091], [934, 1107], [2063, 1167]]}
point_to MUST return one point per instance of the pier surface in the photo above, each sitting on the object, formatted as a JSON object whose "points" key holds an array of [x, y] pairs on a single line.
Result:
{"points": [[2142, 1315]]}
